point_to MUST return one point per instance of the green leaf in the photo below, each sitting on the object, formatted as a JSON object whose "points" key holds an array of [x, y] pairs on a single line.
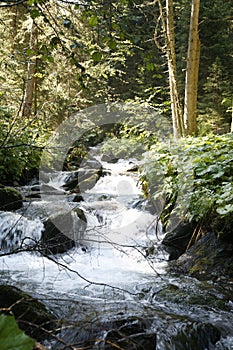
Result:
{"points": [[112, 44], [150, 66], [34, 13], [93, 21], [97, 56], [11, 337]]}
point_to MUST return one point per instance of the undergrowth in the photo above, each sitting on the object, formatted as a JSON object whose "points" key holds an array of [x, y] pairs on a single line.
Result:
{"points": [[193, 178]]}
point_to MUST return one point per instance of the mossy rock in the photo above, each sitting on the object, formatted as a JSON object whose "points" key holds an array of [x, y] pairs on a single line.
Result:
{"points": [[10, 199], [30, 314], [208, 258], [174, 294]]}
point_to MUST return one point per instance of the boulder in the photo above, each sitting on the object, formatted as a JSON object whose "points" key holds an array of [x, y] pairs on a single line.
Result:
{"points": [[92, 164], [43, 190], [177, 240], [109, 158], [50, 190], [78, 198], [30, 314], [10, 199], [86, 177], [63, 231], [210, 257], [88, 183]]}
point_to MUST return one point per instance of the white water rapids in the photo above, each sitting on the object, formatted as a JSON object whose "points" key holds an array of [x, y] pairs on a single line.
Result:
{"points": [[116, 238]]}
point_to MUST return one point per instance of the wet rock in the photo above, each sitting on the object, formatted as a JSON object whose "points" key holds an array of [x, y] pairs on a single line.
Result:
{"points": [[78, 198], [36, 188], [88, 183], [180, 295], [43, 190], [62, 232], [133, 168], [33, 195], [199, 336], [30, 314], [72, 183], [130, 336], [210, 257], [110, 158], [93, 164], [139, 203], [86, 177], [50, 190], [177, 240], [10, 199]]}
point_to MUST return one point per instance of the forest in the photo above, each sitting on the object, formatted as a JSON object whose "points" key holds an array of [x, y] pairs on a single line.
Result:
{"points": [[143, 82]]}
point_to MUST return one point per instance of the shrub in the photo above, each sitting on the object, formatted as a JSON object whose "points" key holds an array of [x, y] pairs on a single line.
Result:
{"points": [[194, 176]]}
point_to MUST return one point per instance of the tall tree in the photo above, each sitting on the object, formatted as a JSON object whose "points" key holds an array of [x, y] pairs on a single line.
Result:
{"points": [[232, 117], [183, 122], [167, 20], [191, 80], [31, 78]]}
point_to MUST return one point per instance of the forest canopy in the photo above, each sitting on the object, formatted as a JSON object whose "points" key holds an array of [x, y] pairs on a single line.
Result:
{"points": [[59, 57]]}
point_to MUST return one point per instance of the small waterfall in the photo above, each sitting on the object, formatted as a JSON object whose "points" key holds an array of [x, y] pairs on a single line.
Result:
{"points": [[17, 231]]}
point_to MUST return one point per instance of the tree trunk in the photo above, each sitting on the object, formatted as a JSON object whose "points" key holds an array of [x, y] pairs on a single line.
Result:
{"points": [[167, 21], [191, 80], [177, 115], [232, 117], [31, 79]]}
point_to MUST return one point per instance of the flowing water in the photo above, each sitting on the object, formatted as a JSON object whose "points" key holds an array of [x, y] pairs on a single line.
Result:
{"points": [[110, 278]]}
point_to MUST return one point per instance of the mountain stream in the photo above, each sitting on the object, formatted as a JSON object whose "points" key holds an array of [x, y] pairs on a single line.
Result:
{"points": [[116, 276]]}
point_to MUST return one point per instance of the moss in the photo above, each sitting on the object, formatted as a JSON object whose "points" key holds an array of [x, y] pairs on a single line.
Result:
{"points": [[209, 258], [177, 295]]}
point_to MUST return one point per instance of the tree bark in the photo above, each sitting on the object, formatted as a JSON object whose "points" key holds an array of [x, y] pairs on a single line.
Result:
{"points": [[31, 79], [167, 20], [232, 117], [177, 115], [191, 80]]}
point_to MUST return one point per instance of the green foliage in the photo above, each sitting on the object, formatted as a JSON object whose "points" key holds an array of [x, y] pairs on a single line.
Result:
{"points": [[11, 337], [18, 158], [124, 147], [216, 60], [103, 51], [196, 174], [214, 109], [140, 127]]}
